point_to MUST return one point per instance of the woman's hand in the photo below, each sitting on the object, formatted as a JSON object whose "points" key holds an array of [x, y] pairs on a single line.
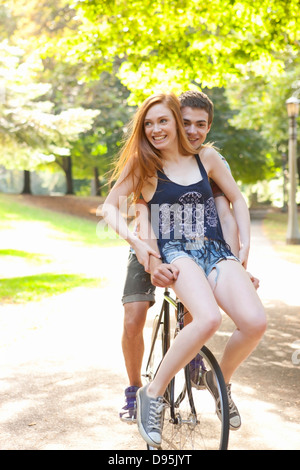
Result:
{"points": [[243, 256], [143, 252]]}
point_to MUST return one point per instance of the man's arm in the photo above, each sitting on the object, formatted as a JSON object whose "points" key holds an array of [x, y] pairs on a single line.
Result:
{"points": [[215, 170], [228, 221], [226, 216], [230, 229]]}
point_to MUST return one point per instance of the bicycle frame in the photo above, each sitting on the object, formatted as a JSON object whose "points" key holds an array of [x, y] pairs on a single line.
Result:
{"points": [[165, 316]]}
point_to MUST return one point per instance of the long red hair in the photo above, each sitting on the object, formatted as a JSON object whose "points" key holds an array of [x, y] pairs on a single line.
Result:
{"points": [[138, 155]]}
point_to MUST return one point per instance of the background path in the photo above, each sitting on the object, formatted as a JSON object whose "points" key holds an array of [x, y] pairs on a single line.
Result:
{"points": [[62, 373]]}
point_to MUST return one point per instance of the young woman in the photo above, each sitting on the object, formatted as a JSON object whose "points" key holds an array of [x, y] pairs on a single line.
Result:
{"points": [[158, 163]]}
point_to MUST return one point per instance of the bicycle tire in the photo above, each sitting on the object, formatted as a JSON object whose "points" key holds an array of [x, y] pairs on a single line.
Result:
{"points": [[190, 420]]}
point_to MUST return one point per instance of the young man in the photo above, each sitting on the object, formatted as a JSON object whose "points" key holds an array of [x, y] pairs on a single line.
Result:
{"points": [[139, 289]]}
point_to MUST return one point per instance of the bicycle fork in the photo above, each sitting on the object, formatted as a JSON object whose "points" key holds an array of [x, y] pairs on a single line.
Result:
{"points": [[187, 389]]}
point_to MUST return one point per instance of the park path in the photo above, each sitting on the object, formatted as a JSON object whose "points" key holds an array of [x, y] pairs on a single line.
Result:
{"points": [[62, 372]]}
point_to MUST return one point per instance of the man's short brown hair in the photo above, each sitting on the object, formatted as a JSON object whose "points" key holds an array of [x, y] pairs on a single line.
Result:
{"points": [[197, 99]]}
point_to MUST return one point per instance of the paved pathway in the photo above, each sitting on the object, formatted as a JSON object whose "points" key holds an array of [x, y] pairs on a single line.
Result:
{"points": [[62, 374]]}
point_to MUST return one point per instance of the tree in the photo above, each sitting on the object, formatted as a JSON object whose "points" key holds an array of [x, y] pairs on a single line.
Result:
{"points": [[245, 149], [261, 103], [172, 43], [23, 129], [262, 109], [95, 151], [175, 44], [92, 153], [30, 133]]}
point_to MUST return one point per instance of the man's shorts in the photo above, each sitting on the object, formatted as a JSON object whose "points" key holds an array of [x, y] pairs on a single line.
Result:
{"points": [[138, 287]]}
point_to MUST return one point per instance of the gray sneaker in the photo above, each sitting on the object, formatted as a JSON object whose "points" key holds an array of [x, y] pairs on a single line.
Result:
{"points": [[234, 416], [149, 417]]}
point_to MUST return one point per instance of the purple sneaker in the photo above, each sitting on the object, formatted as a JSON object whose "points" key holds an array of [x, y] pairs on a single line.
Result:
{"points": [[128, 412], [197, 371]]}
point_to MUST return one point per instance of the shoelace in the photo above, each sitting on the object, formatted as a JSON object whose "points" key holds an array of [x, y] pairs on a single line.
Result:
{"points": [[155, 413], [232, 406]]}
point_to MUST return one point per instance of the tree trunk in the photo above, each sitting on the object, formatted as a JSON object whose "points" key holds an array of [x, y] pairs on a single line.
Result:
{"points": [[96, 183], [26, 187], [67, 166]]}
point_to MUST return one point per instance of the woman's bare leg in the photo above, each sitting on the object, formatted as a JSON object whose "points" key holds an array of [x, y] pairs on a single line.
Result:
{"points": [[193, 289], [237, 296]]}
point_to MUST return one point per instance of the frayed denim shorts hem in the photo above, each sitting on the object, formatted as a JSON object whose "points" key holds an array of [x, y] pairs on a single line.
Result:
{"points": [[206, 254]]}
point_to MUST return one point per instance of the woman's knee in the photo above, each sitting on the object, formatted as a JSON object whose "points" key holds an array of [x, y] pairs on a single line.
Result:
{"points": [[209, 325], [215, 322], [256, 324], [261, 324]]}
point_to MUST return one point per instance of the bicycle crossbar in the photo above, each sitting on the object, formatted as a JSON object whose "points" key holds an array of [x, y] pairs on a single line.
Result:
{"points": [[170, 299]]}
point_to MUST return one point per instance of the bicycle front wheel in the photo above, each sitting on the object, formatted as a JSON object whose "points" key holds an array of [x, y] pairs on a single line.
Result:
{"points": [[190, 419]]}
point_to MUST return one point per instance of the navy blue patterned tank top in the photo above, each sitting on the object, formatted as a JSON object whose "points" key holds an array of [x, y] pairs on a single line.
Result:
{"points": [[186, 213]]}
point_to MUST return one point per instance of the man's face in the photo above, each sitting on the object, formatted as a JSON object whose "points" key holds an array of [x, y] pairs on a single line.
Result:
{"points": [[196, 125]]}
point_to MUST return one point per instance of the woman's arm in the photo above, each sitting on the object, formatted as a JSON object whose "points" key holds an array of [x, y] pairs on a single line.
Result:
{"points": [[112, 215]]}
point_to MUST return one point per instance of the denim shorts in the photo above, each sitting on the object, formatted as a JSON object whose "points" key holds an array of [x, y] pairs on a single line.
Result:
{"points": [[207, 253], [138, 287]]}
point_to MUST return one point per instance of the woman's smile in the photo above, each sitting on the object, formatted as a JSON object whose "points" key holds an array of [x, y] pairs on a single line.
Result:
{"points": [[159, 138], [160, 126]]}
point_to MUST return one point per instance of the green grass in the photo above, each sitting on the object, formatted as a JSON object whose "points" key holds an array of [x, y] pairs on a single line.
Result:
{"points": [[74, 229], [19, 221], [36, 287], [275, 228], [31, 257]]}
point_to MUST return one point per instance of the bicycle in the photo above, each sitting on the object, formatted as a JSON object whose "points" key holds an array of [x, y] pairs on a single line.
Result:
{"points": [[190, 420]]}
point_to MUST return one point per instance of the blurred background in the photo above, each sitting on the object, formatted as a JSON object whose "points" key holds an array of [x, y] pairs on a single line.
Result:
{"points": [[72, 73]]}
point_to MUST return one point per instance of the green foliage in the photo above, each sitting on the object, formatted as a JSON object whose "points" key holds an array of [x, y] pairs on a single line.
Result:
{"points": [[245, 149], [261, 104], [105, 99], [98, 147], [172, 43], [91, 54], [250, 48], [30, 132]]}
